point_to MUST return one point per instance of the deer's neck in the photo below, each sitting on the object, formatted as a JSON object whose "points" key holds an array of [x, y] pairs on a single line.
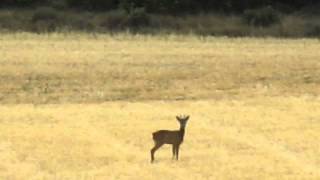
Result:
{"points": [[181, 133]]}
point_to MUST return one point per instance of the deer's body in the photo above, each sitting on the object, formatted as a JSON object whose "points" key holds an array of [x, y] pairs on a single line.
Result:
{"points": [[175, 138], [168, 137]]}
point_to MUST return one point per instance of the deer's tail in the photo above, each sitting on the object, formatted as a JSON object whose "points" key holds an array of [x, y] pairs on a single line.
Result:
{"points": [[155, 137]]}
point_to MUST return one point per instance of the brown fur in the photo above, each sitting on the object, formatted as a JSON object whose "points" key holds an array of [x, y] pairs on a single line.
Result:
{"points": [[175, 138]]}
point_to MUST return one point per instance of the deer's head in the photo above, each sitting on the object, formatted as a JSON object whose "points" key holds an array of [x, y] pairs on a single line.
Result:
{"points": [[182, 120]]}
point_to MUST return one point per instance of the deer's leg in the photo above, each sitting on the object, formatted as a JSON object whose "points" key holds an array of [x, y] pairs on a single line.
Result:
{"points": [[153, 150], [177, 152], [173, 150]]}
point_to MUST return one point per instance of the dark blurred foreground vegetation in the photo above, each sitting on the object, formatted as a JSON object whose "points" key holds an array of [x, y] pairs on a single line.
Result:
{"points": [[282, 18]]}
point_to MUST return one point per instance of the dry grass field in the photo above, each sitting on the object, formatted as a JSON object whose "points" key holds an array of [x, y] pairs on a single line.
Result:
{"points": [[78, 106]]}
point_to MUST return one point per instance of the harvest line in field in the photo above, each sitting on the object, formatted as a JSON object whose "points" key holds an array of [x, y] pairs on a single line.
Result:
{"points": [[79, 68]]}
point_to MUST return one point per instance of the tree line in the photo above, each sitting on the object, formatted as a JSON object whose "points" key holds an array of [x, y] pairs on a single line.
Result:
{"points": [[164, 6]]}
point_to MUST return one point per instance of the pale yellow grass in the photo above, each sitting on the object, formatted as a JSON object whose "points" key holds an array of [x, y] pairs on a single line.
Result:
{"points": [[79, 106], [268, 138]]}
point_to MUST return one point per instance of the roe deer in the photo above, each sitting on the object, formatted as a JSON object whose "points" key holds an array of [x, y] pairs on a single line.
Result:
{"points": [[170, 137]]}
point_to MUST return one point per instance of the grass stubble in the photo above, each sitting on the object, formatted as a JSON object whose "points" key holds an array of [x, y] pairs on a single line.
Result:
{"points": [[79, 106]]}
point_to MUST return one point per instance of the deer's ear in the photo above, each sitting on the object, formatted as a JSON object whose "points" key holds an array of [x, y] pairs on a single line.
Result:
{"points": [[178, 118], [187, 118]]}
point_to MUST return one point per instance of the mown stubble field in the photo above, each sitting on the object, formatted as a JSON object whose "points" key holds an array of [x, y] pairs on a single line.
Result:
{"points": [[79, 106]]}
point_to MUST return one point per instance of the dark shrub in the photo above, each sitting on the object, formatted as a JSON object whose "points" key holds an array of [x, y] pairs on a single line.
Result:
{"points": [[119, 20], [8, 21], [21, 3], [114, 20], [127, 5], [313, 30], [131, 5], [93, 4], [263, 17], [59, 4], [138, 18], [45, 14], [77, 22], [46, 19]]}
